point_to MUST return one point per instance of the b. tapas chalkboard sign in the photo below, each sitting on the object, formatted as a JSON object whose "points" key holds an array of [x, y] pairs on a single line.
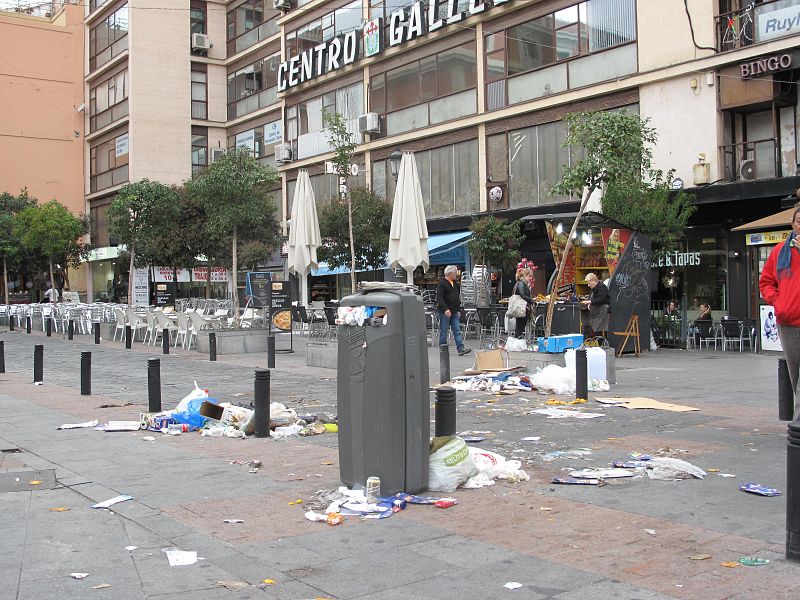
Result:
{"points": [[630, 288], [257, 287]]}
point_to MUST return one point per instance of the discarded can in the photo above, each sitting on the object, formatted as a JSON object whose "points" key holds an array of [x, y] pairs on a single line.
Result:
{"points": [[373, 490], [754, 488], [178, 428], [445, 503]]}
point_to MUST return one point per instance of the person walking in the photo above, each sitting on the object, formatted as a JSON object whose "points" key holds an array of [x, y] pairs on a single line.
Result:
{"points": [[599, 304], [523, 289], [448, 302], [780, 287]]}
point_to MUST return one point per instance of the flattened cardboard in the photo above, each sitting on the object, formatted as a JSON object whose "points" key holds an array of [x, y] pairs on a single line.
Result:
{"points": [[638, 402]]}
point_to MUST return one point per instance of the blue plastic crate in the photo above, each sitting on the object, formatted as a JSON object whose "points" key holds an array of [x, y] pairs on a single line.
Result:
{"points": [[559, 343]]}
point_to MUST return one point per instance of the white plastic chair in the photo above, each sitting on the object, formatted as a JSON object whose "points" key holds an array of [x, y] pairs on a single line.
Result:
{"points": [[184, 329], [120, 318], [163, 322], [136, 322]]}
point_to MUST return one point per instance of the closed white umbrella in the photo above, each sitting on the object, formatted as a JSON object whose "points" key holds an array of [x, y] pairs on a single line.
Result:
{"points": [[408, 237], [304, 238]]}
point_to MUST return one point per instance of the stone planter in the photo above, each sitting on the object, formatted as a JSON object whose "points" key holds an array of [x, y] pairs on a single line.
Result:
{"points": [[321, 354], [234, 341]]}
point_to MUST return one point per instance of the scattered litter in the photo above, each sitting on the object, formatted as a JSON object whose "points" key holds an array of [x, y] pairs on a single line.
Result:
{"points": [[512, 585], [532, 438], [639, 456], [755, 488], [727, 475], [713, 470], [450, 464], [38, 383], [646, 403], [730, 564], [180, 558], [120, 426], [281, 433], [79, 575], [474, 439], [670, 469], [649, 531], [557, 402], [699, 557], [148, 438], [562, 413], [545, 508], [752, 561], [267, 582], [575, 481], [58, 509], [630, 464], [494, 466], [35, 482], [331, 427], [233, 585], [115, 405], [599, 385], [101, 586], [233, 521], [602, 473], [131, 548], [577, 453], [112, 501], [79, 425]]}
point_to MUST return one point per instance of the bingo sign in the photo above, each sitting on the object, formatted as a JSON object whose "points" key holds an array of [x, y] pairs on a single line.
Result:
{"points": [[218, 274]]}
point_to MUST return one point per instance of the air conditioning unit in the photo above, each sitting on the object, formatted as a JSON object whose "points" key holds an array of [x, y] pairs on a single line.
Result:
{"points": [[283, 153], [200, 41], [369, 123], [282, 4], [217, 153], [747, 170]]}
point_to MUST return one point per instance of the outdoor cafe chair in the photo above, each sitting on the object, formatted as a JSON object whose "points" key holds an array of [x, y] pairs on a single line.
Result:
{"points": [[150, 332], [120, 320], [184, 329], [163, 322], [332, 327], [489, 326], [706, 332], [731, 332], [135, 322]]}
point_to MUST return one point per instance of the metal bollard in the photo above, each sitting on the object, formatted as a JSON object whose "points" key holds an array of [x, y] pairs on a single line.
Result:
{"points": [[38, 363], [154, 384], [445, 411], [261, 403], [70, 329], [11, 322], [96, 330], [444, 363], [86, 373], [271, 351], [785, 392], [793, 492], [128, 337], [27, 324], [212, 346], [2, 356], [581, 375], [165, 341], [48, 326]]}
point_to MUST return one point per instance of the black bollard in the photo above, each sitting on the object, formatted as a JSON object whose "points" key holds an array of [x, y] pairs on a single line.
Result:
{"points": [[445, 411], [165, 341], [86, 373], [793, 492], [128, 337], [261, 403], [96, 329], [154, 384], [271, 351], [444, 363], [581, 375], [212, 346], [70, 329], [48, 326], [38, 363], [785, 392], [2, 356], [27, 324], [11, 322]]}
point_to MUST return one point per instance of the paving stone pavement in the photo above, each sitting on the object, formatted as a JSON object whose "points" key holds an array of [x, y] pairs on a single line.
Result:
{"points": [[629, 540]]}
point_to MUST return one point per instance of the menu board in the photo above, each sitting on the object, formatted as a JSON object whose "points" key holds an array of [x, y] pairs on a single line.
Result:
{"points": [[630, 288], [257, 286], [280, 303], [164, 295]]}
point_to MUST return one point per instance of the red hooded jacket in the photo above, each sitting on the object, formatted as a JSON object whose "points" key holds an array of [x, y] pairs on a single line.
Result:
{"points": [[784, 293]]}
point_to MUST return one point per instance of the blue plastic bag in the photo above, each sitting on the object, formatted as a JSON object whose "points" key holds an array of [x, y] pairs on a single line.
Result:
{"points": [[191, 416]]}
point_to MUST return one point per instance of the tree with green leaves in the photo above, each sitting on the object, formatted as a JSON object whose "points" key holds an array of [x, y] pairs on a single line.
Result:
{"points": [[371, 222], [10, 244], [54, 233], [341, 140], [139, 211], [496, 241], [234, 192], [616, 148]]}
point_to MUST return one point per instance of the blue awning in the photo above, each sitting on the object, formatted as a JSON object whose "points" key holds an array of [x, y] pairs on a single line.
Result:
{"points": [[448, 248]]}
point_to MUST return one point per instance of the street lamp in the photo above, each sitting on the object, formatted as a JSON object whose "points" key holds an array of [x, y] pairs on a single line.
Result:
{"points": [[394, 163]]}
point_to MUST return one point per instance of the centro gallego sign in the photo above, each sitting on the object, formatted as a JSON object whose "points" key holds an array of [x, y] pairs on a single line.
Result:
{"points": [[405, 24]]}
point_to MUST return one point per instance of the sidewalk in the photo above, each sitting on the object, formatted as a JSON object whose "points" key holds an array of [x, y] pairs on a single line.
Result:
{"points": [[592, 543]]}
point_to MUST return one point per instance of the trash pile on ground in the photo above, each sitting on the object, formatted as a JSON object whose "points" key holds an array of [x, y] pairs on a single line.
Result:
{"points": [[199, 412], [505, 382], [663, 468], [453, 464]]}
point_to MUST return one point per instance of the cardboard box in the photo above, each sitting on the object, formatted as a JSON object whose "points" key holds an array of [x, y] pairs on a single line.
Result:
{"points": [[211, 410], [559, 343]]}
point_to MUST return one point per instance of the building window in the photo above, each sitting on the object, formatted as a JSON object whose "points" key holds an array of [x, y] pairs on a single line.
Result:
{"points": [[260, 140], [253, 87], [99, 226], [108, 101], [95, 4], [109, 38], [249, 23], [199, 91], [323, 29], [197, 17], [199, 149], [108, 162], [554, 53]]}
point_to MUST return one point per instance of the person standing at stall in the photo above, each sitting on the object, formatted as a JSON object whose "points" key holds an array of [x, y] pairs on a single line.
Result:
{"points": [[599, 304], [780, 287], [523, 289], [448, 301]]}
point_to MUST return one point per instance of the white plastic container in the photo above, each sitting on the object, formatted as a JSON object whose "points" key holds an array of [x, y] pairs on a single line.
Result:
{"points": [[595, 362]]}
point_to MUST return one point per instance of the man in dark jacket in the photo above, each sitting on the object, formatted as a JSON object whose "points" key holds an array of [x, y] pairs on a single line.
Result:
{"points": [[448, 301], [599, 303]]}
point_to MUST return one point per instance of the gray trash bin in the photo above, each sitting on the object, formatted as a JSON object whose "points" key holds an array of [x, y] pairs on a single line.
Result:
{"points": [[383, 395]]}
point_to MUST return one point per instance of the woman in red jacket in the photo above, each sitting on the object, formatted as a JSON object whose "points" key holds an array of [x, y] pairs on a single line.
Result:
{"points": [[780, 287]]}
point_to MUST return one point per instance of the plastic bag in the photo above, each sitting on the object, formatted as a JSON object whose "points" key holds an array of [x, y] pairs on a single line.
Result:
{"points": [[669, 469], [555, 379], [283, 432], [281, 415], [195, 393], [238, 416], [496, 466], [516, 345], [191, 415], [451, 464]]}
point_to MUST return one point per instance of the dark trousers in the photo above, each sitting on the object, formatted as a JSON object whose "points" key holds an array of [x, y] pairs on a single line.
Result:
{"points": [[521, 324]]}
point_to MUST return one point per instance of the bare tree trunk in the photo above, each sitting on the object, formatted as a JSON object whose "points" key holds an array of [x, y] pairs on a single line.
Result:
{"points": [[235, 278], [5, 280], [53, 290], [352, 246], [130, 274], [553, 292]]}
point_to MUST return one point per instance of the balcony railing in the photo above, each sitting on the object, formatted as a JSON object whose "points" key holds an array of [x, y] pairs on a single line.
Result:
{"points": [[756, 159], [757, 23]]}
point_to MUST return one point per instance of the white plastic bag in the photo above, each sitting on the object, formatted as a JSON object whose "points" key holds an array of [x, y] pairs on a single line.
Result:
{"points": [[670, 469], [516, 345], [451, 464], [238, 416], [280, 433], [183, 405], [280, 414], [496, 466], [554, 379]]}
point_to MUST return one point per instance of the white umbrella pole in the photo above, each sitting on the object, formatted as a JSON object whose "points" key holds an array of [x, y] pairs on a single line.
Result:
{"points": [[304, 289], [410, 276]]}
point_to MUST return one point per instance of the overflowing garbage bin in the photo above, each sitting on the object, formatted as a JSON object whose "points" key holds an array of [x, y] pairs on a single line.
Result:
{"points": [[383, 391]]}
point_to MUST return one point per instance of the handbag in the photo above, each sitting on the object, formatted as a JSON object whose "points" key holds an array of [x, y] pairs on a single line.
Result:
{"points": [[517, 307]]}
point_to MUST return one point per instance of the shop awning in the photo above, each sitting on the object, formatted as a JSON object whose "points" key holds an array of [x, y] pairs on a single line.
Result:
{"points": [[448, 248], [324, 269], [781, 219]]}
